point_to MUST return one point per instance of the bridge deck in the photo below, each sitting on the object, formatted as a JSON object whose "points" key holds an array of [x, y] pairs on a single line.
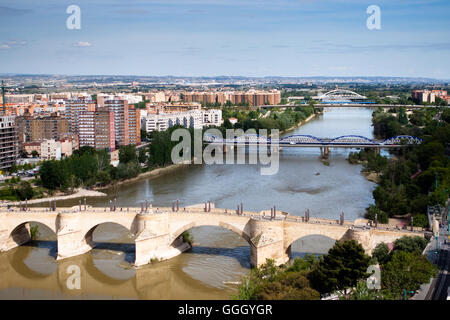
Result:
{"points": [[262, 215], [309, 145]]}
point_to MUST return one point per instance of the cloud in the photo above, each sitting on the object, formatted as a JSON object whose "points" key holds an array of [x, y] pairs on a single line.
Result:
{"points": [[12, 44], [82, 44], [133, 11], [8, 12]]}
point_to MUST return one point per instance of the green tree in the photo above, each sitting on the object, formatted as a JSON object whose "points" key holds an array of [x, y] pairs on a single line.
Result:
{"points": [[362, 292], [406, 270], [341, 268], [142, 155], [414, 244], [269, 282], [24, 191], [402, 117], [23, 153], [144, 134], [103, 178], [381, 253], [288, 286], [34, 154], [53, 175], [373, 210], [127, 154]]}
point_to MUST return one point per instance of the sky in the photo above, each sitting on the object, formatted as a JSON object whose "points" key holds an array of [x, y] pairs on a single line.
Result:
{"points": [[226, 37]]}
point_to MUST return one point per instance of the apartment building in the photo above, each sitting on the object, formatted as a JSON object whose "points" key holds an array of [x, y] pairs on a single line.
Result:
{"points": [[19, 98], [126, 121], [164, 121], [50, 150], [196, 119], [97, 129], [159, 96], [212, 117], [53, 149], [9, 149], [29, 147], [38, 128], [252, 97], [133, 134], [120, 110], [74, 108]]}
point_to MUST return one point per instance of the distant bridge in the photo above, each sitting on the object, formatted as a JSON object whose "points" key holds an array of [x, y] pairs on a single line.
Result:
{"points": [[340, 95], [309, 141], [348, 104], [303, 140]]}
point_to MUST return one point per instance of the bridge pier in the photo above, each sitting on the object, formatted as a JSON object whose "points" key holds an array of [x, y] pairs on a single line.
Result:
{"points": [[153, 241], [267, 242], [70, 238], [324, 152]]}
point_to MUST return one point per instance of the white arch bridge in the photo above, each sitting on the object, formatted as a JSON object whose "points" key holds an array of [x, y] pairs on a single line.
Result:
{"points": [[340, 95]]}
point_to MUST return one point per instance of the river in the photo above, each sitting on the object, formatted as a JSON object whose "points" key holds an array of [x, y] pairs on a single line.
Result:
{"points": [[219, 256]]}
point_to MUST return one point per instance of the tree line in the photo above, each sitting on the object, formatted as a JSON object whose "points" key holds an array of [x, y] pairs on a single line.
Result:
{"points": [[88, 167], [416, 176], [343, 271]]}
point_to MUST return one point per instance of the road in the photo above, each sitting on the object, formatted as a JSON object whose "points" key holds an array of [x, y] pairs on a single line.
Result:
{"points": [[439, 287]]}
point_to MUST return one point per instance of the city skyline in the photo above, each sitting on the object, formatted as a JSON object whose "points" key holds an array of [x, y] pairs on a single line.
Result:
{"points": [[233, 38]]}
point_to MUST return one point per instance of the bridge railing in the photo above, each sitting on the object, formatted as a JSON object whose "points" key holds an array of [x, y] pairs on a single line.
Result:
{"points": [[309, 139]]}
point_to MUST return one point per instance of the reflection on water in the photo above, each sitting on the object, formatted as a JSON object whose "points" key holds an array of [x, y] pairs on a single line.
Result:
{"points": [[219, 256]]}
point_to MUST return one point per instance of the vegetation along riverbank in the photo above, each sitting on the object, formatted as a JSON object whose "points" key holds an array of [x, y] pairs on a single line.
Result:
{"points": [[415, 176]]}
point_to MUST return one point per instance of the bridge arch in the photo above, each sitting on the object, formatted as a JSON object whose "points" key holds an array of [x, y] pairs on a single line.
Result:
{"points": [[242, 233], [301, 139], [88, 238], [310, 244], [354, 139], [341, 94], [401, 138], [20, 233]]}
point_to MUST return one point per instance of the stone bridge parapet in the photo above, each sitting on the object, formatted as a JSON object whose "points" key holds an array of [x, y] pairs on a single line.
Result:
{"points": [[159, 231]]}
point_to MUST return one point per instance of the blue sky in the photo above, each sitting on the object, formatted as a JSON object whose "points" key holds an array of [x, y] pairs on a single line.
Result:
{"points": [[227, 37]]}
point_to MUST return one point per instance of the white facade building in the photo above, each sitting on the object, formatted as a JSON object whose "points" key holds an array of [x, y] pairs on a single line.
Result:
{"points": [[50, 149], [196, 119], [212, 117]]}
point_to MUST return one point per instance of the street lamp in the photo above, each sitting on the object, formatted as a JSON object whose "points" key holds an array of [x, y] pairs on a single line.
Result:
{"points": [[405, 292]]}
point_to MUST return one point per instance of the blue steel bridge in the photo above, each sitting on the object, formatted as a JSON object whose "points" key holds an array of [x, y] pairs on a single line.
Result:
{"points": [[303, 140]]}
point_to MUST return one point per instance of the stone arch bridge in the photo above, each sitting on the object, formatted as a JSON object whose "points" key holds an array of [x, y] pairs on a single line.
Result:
{"points": [[158, 232]]}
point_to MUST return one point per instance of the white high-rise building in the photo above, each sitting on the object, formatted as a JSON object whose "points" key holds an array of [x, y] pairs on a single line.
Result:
{"points": [[196, 119]]}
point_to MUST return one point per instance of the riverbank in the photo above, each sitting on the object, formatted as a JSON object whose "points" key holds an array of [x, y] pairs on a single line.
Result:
{"points": [[143, 175], [80, 193], [300, 123]]}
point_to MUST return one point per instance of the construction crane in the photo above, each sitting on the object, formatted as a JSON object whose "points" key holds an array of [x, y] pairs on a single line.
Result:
{"points": [[3, 97]]}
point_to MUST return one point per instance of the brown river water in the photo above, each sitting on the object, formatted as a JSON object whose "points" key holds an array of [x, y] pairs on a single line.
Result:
{"points": [[219, 257]]}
